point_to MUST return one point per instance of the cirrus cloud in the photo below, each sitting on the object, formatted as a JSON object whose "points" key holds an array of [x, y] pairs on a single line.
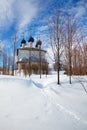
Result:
{"points": [[19, 11]]}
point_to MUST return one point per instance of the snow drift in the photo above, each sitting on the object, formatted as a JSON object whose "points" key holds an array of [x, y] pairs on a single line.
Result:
{"points": [[40, 104]]}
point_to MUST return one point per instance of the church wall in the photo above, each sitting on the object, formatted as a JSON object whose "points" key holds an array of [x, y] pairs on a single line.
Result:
{"points": [[31, 53]]}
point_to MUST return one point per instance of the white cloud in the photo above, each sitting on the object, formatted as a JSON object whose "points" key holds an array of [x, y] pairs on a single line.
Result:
{"points": [[80, 9], [26, 10], [6, 14], [22, 11], [43, 28]]}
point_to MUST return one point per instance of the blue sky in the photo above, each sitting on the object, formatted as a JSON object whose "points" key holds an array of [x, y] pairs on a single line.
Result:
{"points": [[18, 16]]}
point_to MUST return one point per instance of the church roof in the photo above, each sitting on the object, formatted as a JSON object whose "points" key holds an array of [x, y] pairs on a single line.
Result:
{"points": [[31, 39], [39, 42], [23, 41]]}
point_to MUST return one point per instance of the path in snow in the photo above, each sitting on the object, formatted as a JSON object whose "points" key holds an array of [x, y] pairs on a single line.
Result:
{"points": [[24, 102], [49, 92]]}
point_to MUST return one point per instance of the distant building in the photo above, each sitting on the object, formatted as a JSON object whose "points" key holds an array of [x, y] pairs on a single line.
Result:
{"points": [[31, 58]]}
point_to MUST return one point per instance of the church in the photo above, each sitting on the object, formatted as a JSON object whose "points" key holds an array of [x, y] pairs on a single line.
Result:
{"points": [[31, 59]]}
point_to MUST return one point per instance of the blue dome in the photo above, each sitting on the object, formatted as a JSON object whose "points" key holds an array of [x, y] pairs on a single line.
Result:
{"points": [[38, 43], [31, 39], [23, 41]]}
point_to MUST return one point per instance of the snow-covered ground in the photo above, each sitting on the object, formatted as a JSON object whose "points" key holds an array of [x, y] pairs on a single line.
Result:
{"points": [[40, 104]]}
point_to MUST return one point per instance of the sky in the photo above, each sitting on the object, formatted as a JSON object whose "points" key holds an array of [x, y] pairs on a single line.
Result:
{"points": [[18, 16]]}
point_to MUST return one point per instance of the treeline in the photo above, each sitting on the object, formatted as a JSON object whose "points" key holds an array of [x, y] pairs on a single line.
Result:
{"points": [[79, 61], [68, 43], [33, 68]]}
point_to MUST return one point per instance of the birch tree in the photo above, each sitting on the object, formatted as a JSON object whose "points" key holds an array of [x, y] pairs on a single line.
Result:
{"points": [[56, 39]]}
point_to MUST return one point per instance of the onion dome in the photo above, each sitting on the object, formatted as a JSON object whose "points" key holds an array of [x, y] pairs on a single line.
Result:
{"points": [[23, 42], [31, 39], [38, 43]]}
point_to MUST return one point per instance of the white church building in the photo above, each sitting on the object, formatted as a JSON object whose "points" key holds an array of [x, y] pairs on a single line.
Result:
{"points": [[31, 58]]}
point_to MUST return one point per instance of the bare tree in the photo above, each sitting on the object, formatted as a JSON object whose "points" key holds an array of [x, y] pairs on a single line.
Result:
{"points": [[56, 30], [69, 49], [14, 50], [71, 38]]}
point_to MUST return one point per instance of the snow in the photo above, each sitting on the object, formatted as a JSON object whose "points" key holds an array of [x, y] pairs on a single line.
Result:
{"points": [[40, 104]]}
